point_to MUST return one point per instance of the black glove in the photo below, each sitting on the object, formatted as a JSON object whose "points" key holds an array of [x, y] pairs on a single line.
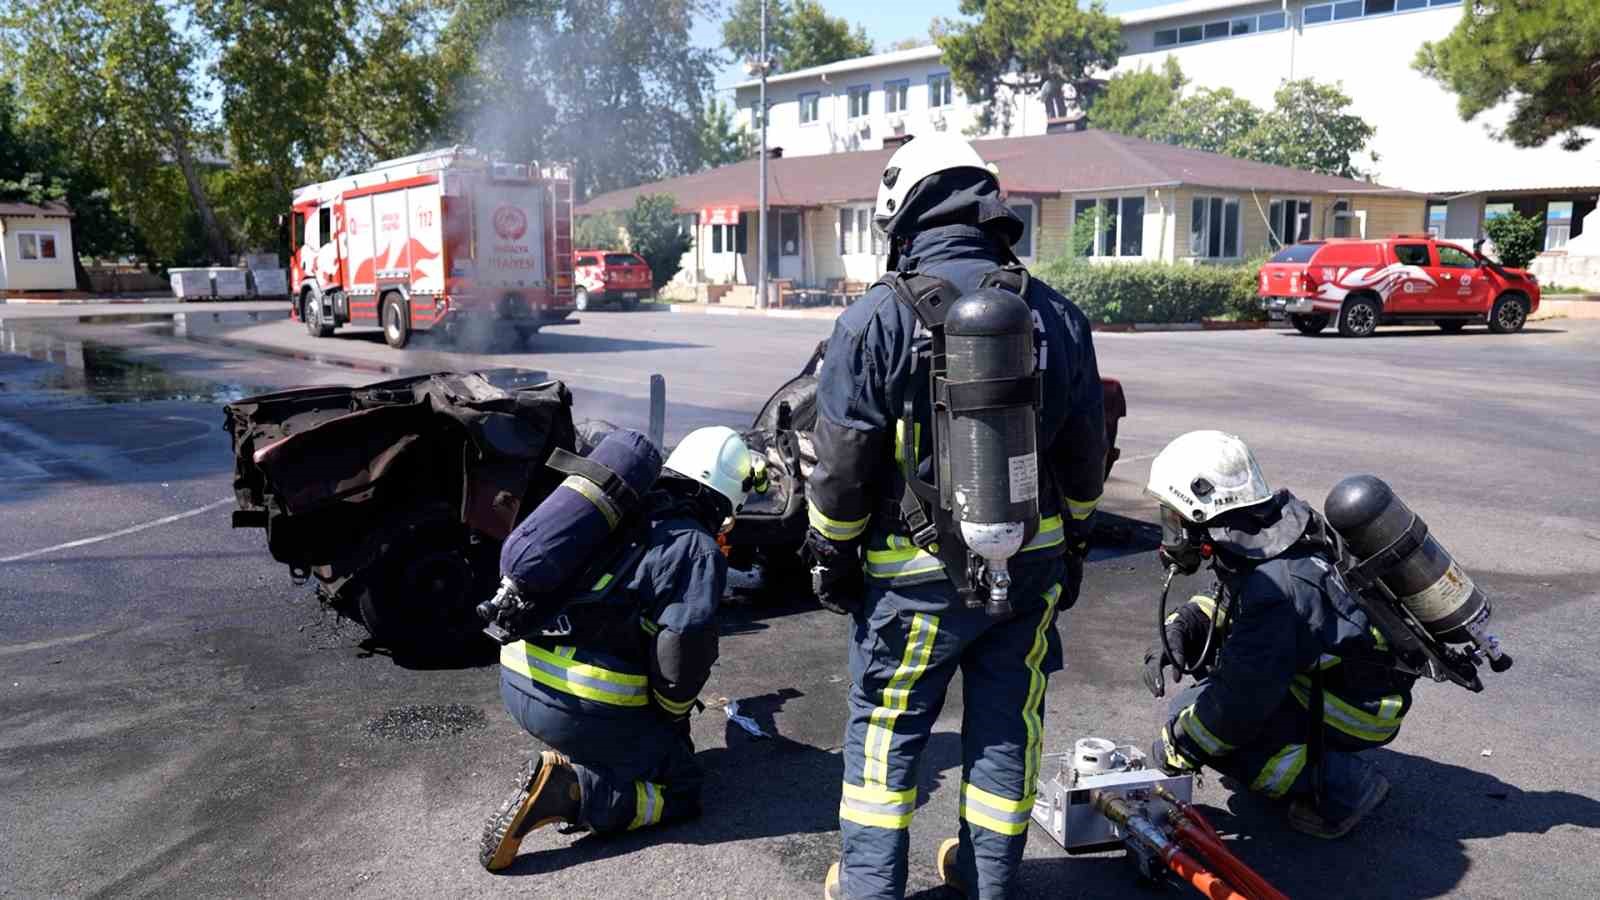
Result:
{"points": [[1074, 561], [835, 573], [1186, 635]]}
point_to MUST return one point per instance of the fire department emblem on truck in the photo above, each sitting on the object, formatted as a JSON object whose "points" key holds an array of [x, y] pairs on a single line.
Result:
{"points": [[510, 223], [1338, 282]]}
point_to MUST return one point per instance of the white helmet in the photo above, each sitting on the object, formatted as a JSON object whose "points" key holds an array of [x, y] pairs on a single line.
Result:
{"points": [[1203, 474], [918, 158], [718, 458]]}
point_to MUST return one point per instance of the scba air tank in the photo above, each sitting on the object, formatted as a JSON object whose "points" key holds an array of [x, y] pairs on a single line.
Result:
{"points": [[1420, 574], [992, 402]]}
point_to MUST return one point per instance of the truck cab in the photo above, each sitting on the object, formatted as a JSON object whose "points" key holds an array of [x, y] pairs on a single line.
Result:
{"points": [[1361, 284]]}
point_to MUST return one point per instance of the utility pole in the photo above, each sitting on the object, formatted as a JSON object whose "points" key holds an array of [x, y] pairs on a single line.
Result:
{"points": [[761, 227]]}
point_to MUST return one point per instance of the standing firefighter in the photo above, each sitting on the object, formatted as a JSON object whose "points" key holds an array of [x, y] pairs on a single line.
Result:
{"points": [[1284, 638], [950, 531], [617, 711]]}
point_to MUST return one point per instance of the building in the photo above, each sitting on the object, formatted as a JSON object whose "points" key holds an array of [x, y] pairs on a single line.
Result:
{"points": [[1251, 47], [36, 247], [1153, 202]]}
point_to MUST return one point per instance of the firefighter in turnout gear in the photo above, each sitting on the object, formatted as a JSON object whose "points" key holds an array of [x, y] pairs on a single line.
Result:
{"points": [[1294, 679], [886, 559], [617, 716]]}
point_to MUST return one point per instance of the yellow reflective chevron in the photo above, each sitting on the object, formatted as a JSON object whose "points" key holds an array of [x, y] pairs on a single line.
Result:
{"points": [[900, 559], [1351, 719], [1278, 775], [648, 804], [1208, 742], [896, 699], [994, 812], [877, 807], [557, 669], [835, 529], [1082, 509], [676, 707]]}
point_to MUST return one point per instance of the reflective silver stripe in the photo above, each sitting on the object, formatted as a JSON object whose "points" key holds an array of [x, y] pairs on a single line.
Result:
{"points": [[592, 493], [584, 681], [1280, 772]]}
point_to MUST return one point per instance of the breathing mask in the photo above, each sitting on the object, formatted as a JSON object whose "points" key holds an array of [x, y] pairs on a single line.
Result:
{"points": [[1184, 545]]}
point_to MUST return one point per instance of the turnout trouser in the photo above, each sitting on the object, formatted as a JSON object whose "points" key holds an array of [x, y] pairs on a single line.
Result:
{"points": [[635, 766], [909, 643], [1277, 763]]}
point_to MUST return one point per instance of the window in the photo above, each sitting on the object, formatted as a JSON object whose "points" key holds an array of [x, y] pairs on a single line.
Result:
{"points": [[1557, 225], [1445, 3], [808, 108], [1131, 224], [1316, 15], [324, 225], [1377, 7], [1349, 9], [1297, 253], [1352, 9], [623, 259], [1411, 4], [1341, 218], [1242, 26], [789, 233], [1166, 37], [860, 101], [1190, 33], [1272, 22], [729, 238], [1492, 211], [856, 234], [1215, 30], [1438, 214], [894, 96], [1454, 257], [297, 234], [1024, 245], [1082, 209], [940, 90], [1412, 254], [1290, 221], [587, 261], [738, 239], [36, 245], [1214, 228], [716, 238]]}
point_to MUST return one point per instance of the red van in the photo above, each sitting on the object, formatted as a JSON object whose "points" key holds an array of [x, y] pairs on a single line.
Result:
{"points": [[1361, 284], [610, 277]]}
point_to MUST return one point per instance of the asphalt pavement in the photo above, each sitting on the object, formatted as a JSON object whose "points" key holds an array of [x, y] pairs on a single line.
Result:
{"points": [[178, 718]]}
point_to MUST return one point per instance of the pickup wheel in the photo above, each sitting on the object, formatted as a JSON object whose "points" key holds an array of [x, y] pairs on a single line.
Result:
{"points": [[1359, 318], [396, 327], [1309, 323], [1510, 313], [1451, 326], [580, 299]]}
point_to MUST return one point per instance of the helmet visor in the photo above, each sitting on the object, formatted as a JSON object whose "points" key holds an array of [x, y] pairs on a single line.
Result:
{"points": [[1173, 528]]}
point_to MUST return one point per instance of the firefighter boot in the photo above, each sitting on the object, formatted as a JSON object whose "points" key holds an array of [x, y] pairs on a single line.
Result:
{"points": [[945, 862], [548, 792], [1339, 816]]}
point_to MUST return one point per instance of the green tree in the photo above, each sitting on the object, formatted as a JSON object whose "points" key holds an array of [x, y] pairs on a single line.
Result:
{"points": [[1310, 127], [1049, 48], [602, 231], [800, 34], [655, 234], [117, 81], [1517, 238], [721, 142], [1544, 58], [1140, 103]]}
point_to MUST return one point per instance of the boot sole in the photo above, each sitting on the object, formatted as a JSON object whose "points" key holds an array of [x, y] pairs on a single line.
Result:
{"points": [[502, 837], [1310, 828]]}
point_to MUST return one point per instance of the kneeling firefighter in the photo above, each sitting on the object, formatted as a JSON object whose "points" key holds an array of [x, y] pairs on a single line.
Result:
{"points": [[1295, 676], [607, 674], [960, 448]]}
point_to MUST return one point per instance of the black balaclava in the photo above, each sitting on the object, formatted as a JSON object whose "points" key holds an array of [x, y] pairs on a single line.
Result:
{"points": [[957, 197]]}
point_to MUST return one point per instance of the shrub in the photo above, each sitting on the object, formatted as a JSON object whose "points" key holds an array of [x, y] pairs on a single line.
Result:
{"points": [[598, 232], [1517, 238], [655, 234], [1155, 292]]}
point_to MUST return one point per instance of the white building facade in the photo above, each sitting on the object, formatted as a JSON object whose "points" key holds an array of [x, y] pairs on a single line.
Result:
{"points": [[1366, 46]]}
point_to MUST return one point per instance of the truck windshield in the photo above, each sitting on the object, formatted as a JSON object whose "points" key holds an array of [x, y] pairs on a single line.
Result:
{"points": [[623, 259], [1296, 253]]}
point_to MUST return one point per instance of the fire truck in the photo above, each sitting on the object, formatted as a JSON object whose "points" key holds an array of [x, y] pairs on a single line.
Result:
{"points": [[448, 239]]}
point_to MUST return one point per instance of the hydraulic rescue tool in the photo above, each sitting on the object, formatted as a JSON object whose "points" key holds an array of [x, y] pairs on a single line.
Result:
{"points": [[1103, 796], [1419, 594]]}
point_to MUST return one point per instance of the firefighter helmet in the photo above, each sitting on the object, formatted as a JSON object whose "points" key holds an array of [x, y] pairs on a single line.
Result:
{"points": [[718, 458], [1203, 474], [917, 159]]}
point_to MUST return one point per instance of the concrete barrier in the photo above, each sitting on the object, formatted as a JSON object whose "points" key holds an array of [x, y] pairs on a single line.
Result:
{"points": [[1568, 306]]}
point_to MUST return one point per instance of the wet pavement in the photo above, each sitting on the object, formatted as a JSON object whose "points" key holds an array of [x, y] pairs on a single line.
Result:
{"points": [[177, 717]]}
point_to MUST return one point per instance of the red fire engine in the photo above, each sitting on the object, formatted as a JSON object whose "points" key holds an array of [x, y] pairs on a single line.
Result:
{"points": [[443, 239]]}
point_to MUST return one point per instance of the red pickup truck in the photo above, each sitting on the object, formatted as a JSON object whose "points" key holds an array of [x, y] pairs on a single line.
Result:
{"points": [[1361, 284]]}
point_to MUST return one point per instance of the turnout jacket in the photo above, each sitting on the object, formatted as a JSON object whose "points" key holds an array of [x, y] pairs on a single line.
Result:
{"points": [[1291, 624], [668, 639], [867, 372]]}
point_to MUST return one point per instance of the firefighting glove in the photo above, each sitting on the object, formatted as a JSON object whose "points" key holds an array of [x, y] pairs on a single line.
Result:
{"points": [[1185, 636], [835, 573]]}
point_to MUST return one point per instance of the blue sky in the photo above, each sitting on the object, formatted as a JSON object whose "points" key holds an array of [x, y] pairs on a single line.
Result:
{"points": [[885, 22]]}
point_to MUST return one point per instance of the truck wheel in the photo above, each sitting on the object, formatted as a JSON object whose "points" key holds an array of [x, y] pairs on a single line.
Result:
{"points": [[580, 299], [396, 329], [311, 314], [1510, 313], [419, 598], [1359, 318], [1451, 326], [1308, 323]]}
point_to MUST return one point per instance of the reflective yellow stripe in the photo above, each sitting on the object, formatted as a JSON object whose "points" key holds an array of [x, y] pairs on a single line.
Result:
{"points": [[758, 475], [1327, 661], [877, 807], [896, 698], [1278, 775], [1036, 683], [1209, 743], [994, 812], [675, 707], [556, 669], [648, 804], [648, 626], [601, 584], [900, 558], [834, 529], [593, 494], [1082, 509], [1175, 758], [1208, 605], [1350, 719], [1381, 642]]}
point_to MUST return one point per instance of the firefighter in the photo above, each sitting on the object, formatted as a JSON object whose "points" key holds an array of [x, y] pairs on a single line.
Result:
{"points": [[1289, 638], [875, 555], [617, 719]]}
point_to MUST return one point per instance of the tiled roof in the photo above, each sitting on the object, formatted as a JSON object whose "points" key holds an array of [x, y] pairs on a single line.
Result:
{"points": [[28, 209]]}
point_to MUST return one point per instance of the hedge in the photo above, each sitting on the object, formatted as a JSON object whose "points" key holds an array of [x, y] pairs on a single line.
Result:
{"points": [[1155, 292]]}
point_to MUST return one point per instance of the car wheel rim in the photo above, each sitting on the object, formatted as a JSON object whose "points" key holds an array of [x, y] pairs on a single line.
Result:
{"points": [[1361, 319], [1511, 316]]}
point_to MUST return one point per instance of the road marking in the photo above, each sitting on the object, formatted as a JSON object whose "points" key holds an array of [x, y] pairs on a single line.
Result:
{"points": [[12, 649], [204, 433], [134, 529]]}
